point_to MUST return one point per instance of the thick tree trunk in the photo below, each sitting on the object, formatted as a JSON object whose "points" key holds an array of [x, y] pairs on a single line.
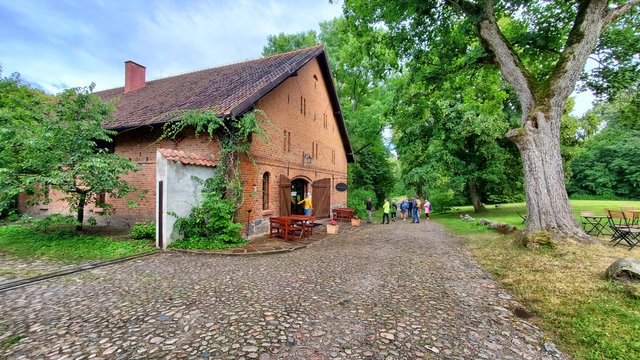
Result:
{"points": [[478, 206], [81, 203], [542, 104], [547, 200]]}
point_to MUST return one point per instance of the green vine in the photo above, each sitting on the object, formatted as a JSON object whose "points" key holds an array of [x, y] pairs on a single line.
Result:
{"points": [[223, 193]]}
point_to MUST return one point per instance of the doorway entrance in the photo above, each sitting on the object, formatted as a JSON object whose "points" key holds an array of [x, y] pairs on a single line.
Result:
{"points": [[299, 188]]}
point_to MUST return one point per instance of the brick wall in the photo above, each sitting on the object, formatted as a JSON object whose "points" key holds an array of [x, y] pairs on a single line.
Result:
{"points": [[301, 121]]}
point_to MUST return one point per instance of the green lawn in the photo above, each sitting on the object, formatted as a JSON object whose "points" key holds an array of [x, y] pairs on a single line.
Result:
{"points": [[590, 317], [66, 245]]}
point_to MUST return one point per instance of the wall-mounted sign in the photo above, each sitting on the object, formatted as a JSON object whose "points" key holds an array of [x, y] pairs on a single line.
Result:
{"points": [[341, 187]]}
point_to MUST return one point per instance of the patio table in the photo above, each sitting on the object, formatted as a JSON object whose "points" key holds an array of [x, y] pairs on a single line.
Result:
{"points": [[594, 224]]}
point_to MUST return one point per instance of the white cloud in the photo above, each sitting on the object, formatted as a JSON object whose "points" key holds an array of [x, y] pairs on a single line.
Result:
{"points": [[70, 43]]}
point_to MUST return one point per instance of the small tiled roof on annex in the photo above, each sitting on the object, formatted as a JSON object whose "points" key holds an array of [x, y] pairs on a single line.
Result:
{"points": [[230, 89], [188, 158]]}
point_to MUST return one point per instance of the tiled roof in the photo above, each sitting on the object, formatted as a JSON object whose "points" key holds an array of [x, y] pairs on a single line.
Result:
{"points": [[226, 89], [231, 90], [188, 158]]}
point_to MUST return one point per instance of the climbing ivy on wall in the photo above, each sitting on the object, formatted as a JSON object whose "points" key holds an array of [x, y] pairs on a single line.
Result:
{"points": [[223, 193]]}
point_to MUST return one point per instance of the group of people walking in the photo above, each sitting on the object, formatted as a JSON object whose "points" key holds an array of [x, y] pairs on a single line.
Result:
{"points": [[408, 208]]}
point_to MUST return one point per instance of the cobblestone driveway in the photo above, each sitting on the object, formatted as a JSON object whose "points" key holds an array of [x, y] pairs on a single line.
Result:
{"points": [[399, 291]]}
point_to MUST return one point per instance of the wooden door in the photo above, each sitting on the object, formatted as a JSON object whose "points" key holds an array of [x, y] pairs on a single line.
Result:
{"points": [[285, 195], [321, 197]]}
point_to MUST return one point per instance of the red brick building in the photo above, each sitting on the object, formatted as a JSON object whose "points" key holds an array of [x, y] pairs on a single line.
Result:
{"points": [[307, 149]]}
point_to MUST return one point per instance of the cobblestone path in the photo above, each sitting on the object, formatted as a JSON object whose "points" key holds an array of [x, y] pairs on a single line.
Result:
{"points": [[399, 291]]}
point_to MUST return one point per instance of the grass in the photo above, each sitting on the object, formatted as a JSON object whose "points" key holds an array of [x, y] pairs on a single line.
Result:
{"points": [[205, 244], [590, 317], [10, 341], [66, 245]]}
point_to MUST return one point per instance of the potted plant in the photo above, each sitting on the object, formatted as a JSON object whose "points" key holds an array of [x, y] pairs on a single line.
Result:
{"points": [[355, 221], [332, 227]]}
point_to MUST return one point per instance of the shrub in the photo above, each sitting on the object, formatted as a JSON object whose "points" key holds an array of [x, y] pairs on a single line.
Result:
{"points": [[357, 199], [212, 219], [146, 230], [43, 224]]}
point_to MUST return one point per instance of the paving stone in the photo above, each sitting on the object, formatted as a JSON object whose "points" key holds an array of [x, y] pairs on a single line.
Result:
{"points": [[374, 292]]}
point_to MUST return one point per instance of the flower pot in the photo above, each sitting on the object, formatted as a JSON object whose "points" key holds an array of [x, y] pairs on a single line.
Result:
{"points": [[355, 222], [332, 229]]}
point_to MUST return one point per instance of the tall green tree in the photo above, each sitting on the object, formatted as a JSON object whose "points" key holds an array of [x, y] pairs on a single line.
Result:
{"points": [[58, 143], [282, 43], [364, 100], [541, 57], [20, 112], [608, 165], [449, 137]]}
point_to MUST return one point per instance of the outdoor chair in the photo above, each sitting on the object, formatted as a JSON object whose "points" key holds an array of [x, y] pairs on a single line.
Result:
{"points": [[622, 229], [632, 215]]}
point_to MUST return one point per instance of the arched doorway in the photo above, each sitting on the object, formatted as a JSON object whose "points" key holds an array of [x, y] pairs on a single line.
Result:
{"points": [[299, 187]]}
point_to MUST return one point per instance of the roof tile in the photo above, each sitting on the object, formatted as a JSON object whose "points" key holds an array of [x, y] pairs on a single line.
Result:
{"points": [[228, 89], [186, 158]]}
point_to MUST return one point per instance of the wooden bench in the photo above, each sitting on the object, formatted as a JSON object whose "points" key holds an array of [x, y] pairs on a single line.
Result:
{"points": [[343, 214], [278, 226], [290, 227]]}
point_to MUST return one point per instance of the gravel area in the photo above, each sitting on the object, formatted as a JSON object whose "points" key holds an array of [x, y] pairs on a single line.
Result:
{"points": [[12, 268], [399, 291]]}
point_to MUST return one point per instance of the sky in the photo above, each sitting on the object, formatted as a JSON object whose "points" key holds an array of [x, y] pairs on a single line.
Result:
{"points": [[59, 44]]}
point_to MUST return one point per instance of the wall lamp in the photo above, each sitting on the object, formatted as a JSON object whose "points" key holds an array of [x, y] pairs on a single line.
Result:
{"points": [[307, 158]]}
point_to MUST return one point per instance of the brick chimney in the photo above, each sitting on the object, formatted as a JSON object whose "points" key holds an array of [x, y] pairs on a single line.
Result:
{"points": [[134, 76]]}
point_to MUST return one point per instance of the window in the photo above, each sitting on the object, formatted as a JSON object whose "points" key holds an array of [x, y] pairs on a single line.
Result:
{"points": [[304, 112], [301, 104], [284, 141], [101, 199], [316, 156], [288, 141], [265, 191], [333, 156]]}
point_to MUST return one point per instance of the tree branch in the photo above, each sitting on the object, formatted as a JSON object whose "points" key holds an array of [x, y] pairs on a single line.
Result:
{"points": [[582, 39], [494, 41], [613, 14]]}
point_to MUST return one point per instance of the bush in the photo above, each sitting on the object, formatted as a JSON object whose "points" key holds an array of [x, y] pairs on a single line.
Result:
{"points": [[212, 219], [146, 230], [43, 224], [357, 198]]}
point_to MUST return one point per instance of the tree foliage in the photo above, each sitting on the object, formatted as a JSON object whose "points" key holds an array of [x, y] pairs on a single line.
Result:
{"points": [[540, 48], [607, 166], [616, 58], [58, 143], [364, 100], [282, 43]]}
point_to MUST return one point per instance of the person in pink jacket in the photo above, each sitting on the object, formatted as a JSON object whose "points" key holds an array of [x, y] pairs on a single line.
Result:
{"points": [[427, 208]]}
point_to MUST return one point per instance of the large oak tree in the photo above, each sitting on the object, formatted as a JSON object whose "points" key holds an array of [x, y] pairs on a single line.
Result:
{"points": [[541, 57]]}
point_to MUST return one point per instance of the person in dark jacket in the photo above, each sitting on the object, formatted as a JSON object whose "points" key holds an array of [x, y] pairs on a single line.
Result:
{"points": [[369, 205], [394, 210], [411, 208]]}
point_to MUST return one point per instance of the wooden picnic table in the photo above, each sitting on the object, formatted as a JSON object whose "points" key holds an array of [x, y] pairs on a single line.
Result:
{"points": [[343, 214], [290, 227]]}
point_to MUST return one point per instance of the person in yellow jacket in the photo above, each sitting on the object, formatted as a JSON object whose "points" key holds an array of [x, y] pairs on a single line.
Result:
{"points": [[385, 211], [307, 204]]}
